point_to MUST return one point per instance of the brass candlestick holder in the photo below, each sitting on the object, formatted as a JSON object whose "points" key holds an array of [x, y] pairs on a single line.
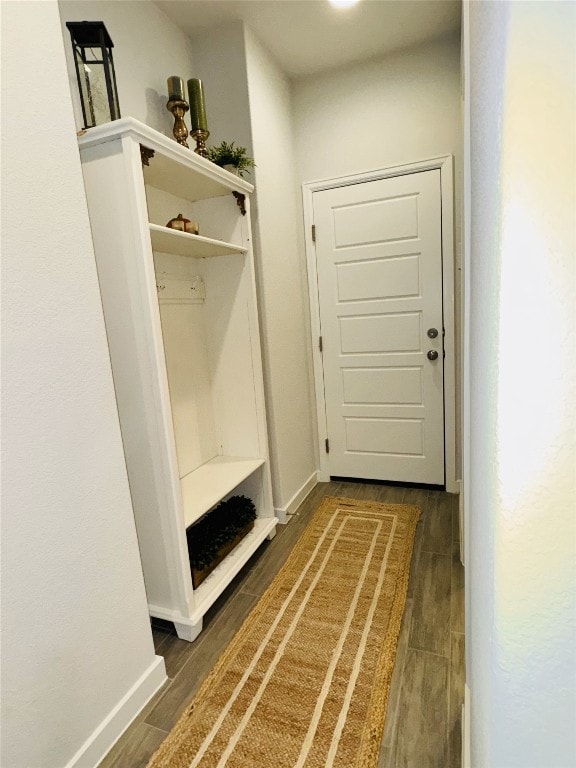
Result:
{"points": [[200, 137], [178, 107]]}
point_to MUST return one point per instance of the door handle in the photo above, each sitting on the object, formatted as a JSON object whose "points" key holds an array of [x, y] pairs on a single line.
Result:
{"points": [[432, 354]]}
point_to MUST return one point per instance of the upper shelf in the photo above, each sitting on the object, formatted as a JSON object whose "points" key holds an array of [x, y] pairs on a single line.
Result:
{"points": [[171, 167]]}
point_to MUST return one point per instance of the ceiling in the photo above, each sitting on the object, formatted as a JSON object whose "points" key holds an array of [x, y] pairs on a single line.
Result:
{"points": [[309, 36]]}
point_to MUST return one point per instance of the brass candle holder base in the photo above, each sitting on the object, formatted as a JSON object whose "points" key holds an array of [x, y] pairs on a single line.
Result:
{"points": [[200, 137], [179, 109]]}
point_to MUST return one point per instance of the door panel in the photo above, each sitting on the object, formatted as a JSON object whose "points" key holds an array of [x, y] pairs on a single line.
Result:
{"points": [[376, 221], [382, 436], [394, 333], [365, 280], [366, 385], [379, 264]]}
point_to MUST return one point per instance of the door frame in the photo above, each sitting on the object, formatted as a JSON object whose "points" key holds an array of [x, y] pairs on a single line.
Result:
{"points": [[445, 164]]}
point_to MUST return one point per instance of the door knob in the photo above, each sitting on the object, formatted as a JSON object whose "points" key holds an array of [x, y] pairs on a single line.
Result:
{"points": [[432, 333], [432, 354]]}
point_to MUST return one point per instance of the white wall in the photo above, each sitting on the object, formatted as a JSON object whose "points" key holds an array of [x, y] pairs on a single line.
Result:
{"points": [[282, 277], [148, 48], [388, 111], [397, 109], [220, 62], [76, 647], [248, 101], [521, 569], [404, 108]]}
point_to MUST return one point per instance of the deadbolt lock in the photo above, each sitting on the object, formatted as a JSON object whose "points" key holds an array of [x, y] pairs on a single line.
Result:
{"points": [[432, 333]]}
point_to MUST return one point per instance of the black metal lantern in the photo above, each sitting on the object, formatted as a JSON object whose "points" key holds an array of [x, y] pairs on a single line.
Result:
{"points": [[92, 48]]}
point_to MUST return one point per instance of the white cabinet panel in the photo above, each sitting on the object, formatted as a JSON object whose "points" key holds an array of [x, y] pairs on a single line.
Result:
{"points": [[187, 371], [189, 383]]}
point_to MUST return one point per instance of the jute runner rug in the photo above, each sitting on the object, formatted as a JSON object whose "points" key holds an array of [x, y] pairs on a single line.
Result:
{"points": [[304, 683]]}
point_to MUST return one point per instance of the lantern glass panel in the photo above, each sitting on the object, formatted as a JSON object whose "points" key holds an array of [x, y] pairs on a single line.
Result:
{"points": [[93, 87]]}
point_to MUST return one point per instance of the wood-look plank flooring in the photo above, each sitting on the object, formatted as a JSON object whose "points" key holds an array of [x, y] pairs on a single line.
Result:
{"points": [[424, 710]]}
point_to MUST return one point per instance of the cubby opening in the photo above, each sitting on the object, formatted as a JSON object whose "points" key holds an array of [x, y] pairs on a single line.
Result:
{"points": [[208, 353]]}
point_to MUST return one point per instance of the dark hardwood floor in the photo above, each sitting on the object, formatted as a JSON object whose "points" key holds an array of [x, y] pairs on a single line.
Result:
{"points": [[423, 722]]}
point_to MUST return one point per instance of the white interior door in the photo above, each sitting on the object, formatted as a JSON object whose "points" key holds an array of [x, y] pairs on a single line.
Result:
{"points": [[379, 268]]}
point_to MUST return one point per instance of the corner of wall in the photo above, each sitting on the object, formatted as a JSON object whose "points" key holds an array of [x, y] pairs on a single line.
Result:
{"points": [[72, 580]]}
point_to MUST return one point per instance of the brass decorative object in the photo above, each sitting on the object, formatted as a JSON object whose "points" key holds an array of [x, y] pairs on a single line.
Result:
{"points": [[240, 202], [179, 107], [146, 154], [199, 124], [200, 137]]}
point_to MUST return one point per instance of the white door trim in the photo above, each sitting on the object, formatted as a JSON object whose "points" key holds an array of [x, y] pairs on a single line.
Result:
{"points": [[445, 165]]}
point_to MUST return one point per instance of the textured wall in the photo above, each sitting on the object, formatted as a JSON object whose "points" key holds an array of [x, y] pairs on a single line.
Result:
{"points": [[521, 611], [76, 635]]}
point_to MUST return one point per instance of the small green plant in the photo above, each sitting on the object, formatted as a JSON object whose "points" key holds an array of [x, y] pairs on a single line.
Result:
{"points": [[228, 154]]}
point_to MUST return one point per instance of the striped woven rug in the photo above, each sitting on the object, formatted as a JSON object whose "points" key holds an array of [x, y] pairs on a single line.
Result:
{"points": [[304, 683]]}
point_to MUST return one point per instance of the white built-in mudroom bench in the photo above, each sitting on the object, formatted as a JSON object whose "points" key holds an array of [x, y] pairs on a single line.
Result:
{"points": [[183, 333]]}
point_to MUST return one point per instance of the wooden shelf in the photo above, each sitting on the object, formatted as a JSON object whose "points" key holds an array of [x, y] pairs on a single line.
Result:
{"points": [[207, 485], [183, 244], [171, 175], [223, 574]]}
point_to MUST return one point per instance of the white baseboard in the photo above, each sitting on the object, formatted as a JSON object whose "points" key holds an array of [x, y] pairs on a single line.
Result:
{"points": [[466, 761], [283, 513], [453, 486], [116, 722]]}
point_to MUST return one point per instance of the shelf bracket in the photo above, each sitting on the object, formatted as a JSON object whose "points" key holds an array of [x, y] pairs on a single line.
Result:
{"points": [[146, 154], [241, 201]]}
